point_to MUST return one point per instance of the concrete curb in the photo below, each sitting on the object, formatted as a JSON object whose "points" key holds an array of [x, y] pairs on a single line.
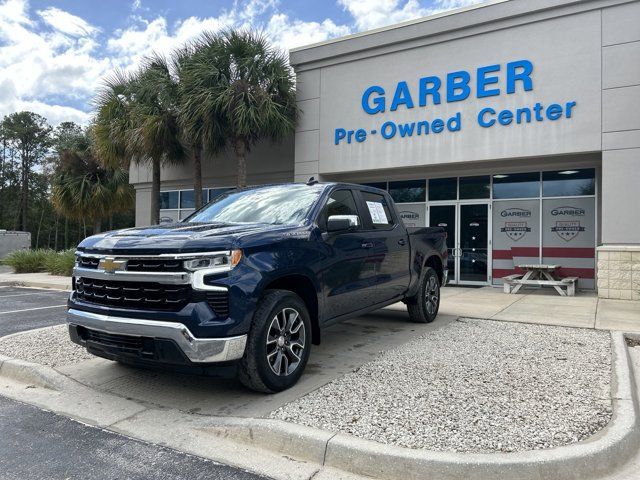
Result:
{"points": [[36, 284], [31, 373], [600, 454], [605, 451]]}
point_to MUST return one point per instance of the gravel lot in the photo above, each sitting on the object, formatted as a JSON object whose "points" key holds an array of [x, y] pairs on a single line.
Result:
{"points": [[47, 346], [473, 386]]}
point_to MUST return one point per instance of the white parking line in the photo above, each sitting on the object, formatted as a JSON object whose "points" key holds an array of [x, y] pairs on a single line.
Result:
{"points": [[22, 294], [31, 309]]}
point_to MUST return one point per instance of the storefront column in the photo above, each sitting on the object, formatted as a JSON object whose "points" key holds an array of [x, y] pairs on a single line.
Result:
{"points": [[619, 254]]}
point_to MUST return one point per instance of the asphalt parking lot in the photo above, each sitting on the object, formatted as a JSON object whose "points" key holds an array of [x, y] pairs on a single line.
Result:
{"points": [[28, 308]]}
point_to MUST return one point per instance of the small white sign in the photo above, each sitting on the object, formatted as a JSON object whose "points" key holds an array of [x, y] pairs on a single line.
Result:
{"points": [[377, 213]]}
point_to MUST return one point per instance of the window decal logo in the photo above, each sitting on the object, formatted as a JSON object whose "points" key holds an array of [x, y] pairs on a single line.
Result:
{"points": [[515, 230], [568, 229]]}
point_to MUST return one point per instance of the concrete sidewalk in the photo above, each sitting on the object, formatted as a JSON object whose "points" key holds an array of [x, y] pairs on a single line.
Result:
{"points": [[543, 306], [34, 280]]}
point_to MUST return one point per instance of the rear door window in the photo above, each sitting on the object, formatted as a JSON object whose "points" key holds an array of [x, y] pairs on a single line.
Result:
{"points": [[378, 210]]}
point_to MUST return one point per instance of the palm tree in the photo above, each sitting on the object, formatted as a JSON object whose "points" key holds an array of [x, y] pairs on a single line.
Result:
{"points": [[240, 90], [137, 121], [84, 189], [192, 131]]}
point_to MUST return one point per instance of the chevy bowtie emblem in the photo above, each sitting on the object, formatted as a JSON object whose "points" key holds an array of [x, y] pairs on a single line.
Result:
{"points": [[111, 265]]}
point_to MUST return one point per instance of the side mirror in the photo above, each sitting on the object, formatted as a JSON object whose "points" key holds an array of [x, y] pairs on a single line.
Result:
{"points": [[336, 223]]}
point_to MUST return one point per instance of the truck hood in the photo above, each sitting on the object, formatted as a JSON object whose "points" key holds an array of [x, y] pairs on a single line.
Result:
{"points": [[174, 238]]}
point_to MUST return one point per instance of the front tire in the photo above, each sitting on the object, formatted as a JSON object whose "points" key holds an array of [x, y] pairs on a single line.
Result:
{"points": [[423, 308], [278, 344]]}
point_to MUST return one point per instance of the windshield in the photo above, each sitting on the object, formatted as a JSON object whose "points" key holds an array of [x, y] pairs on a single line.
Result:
{"points": [[280, 204]]}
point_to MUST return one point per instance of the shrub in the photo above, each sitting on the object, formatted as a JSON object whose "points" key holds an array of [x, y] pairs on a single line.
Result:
{"points": [[60, 263], [26, 261], [30, 261]]}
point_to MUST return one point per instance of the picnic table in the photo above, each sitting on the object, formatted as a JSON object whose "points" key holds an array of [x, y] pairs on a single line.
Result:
{"points": [[539, 275]]}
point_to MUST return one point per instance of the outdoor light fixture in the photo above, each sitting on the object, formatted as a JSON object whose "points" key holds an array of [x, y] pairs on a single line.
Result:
{"points": [[568, 172], [500, 175]]}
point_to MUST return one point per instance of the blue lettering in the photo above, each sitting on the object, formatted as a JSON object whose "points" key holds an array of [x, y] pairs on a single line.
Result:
{"points": [[437, 125], [458, 86], [554, 111], [340, 133], [524, 75], [406, 130], [378, 102], [481, 115], [361, 135], [388, 130], [401, 97], [484, 80], [454, 123], [429, 86], [505, 117], [570, 105]]}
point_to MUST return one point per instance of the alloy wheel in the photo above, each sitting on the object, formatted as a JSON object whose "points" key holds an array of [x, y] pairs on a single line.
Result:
{"points": [[431, 295], [285, 342]]}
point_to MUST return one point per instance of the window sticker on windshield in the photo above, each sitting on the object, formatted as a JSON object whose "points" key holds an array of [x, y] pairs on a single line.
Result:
{"points": [[377, 213]]}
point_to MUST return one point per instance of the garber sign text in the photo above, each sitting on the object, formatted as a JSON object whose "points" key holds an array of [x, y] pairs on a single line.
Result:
{"points": [[488, 81]]}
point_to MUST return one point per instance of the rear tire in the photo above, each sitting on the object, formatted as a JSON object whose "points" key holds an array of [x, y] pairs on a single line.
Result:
{"points": [[423, 308], [278, 344]]}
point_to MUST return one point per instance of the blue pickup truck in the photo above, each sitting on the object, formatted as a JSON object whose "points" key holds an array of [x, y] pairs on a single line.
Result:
{"points": [[248, 283]]}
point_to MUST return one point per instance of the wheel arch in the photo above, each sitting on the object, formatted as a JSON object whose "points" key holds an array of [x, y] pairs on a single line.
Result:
{"points": [[304, 287], [435, 262]]}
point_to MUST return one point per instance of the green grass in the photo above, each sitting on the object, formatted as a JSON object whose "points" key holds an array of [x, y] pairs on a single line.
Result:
{"points": [[30, 261]]}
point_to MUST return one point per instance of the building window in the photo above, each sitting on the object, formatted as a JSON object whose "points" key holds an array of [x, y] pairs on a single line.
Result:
{"points": [[168, 200], [187, 199], [569, 183], [516, 185], [216, 192], [475, 187], [443, 189], [409, 191]]}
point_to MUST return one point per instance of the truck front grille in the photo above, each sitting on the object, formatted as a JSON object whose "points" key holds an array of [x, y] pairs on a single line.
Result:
{"points": [[88, 262], [139, 295], [147, 265], [136, 264], [111, 339]]}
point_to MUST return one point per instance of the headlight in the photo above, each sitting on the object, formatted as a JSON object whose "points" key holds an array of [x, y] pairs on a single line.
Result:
{"points": [[220, 262]]}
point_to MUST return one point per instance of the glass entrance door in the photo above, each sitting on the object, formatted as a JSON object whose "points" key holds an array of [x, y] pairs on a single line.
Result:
{"points": [[445, 216], [467, 227], [473, 244]]}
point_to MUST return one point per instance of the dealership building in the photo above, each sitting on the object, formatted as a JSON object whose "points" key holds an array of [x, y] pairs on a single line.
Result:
{"points": [[515, 125]]}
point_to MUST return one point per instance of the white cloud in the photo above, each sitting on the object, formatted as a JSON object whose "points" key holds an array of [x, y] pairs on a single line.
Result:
{"points": [[287, 33], [373, 14], [52, 59], [66, 23], [369, 14]]}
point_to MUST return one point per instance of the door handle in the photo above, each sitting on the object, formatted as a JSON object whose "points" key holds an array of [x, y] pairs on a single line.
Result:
{"points": [[367, 244], [402, 242]]}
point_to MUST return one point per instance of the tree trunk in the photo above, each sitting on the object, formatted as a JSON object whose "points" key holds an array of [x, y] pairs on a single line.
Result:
{"points": [[241, 151], [97, 226], [197, 176], [111, 222], [25, 193], [39, 227], [55, 240], [155, 191], [66, 233]]}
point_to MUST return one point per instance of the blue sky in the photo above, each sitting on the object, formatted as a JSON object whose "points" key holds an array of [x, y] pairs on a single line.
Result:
{"points": [[54, 53]]}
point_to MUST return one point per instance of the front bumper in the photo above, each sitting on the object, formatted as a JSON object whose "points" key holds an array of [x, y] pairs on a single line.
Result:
{"points": [[196, 350]]}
